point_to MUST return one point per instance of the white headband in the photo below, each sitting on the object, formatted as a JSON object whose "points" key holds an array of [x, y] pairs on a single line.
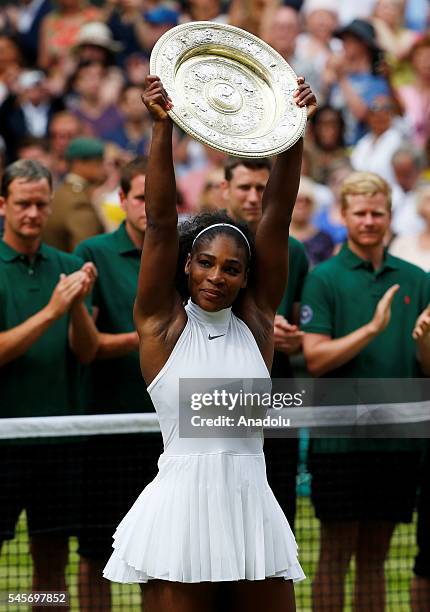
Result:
{"points": [[223, 225]]}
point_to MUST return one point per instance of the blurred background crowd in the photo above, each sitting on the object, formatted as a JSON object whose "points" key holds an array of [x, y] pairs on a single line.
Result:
{"points": [[73, 68]]}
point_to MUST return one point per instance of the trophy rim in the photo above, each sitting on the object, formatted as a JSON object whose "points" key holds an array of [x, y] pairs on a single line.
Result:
{"points": [[163, 42]]}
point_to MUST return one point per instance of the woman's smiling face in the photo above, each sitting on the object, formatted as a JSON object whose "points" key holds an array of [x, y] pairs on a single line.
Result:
{"points": [[217, 271]]}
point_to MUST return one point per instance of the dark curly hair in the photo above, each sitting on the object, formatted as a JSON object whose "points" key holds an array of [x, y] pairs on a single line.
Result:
{"points": [[189, 229]]}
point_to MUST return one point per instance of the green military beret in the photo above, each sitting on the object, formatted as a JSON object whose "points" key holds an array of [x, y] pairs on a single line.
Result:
{"points": [[85, 148]]}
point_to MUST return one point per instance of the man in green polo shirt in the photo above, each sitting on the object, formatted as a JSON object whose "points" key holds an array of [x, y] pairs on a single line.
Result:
{"points": [[242, 189], [42, 294], [366, 315], [119, 467]]}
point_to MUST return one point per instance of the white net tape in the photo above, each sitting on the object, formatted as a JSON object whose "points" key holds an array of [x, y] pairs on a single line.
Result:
{"points": [[309, 417]]}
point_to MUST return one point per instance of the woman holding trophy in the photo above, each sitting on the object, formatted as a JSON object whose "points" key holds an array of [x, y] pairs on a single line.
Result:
{"points": [[208, 533]]}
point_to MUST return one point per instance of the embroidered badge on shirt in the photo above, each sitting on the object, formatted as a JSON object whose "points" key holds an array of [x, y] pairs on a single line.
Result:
{"points": [[306, 314]]}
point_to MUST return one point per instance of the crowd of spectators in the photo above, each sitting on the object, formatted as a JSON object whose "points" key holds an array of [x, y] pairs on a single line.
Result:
{"points": [[76, 67], [71, 77]]}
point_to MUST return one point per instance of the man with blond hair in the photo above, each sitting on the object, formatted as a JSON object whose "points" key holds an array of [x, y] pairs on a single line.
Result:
{"points": [[365, 314]]}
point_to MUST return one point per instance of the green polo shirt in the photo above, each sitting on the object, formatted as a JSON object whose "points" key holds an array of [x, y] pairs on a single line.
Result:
{"points": [[297, 270], [117, 384], [43, 381], [298, 267], [340, 295]]}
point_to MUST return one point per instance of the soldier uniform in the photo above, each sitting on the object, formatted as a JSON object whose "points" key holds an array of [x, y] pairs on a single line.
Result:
{"points": [[74, 217]]}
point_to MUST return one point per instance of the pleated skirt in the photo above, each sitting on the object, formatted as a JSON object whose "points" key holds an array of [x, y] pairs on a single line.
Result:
{"points": [[205, 517]]}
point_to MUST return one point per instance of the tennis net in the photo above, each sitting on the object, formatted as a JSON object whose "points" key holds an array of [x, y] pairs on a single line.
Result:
{"points": [[81, 474]]}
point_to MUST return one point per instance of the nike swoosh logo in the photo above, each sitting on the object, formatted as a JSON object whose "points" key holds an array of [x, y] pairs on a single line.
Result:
{"points": [[213, 337]]}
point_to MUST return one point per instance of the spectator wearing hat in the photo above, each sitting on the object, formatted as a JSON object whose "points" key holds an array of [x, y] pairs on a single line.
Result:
{"points": [[27, 112], [74, 217], [87, 103], [415, 97], [352, 77], [94, 44]]}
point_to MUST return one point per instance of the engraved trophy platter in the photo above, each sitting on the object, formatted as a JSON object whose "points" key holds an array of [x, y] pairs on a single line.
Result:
{"points": [[230, 90]]}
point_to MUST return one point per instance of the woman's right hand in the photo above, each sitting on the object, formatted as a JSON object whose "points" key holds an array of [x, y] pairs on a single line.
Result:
{"points": [[156, 99]]}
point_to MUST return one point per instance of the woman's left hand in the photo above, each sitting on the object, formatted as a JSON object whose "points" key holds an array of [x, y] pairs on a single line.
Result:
{"points": [[304, 96]]}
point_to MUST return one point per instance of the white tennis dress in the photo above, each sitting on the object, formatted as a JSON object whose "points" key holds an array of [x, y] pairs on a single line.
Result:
{"points": [[209, 515]]}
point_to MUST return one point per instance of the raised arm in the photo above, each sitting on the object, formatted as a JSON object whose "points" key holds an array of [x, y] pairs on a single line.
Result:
{"points": [[156, 294], [278, 202]]}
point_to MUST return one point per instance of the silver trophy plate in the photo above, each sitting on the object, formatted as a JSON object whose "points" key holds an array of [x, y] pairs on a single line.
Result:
{"points": [[230, 90]]}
